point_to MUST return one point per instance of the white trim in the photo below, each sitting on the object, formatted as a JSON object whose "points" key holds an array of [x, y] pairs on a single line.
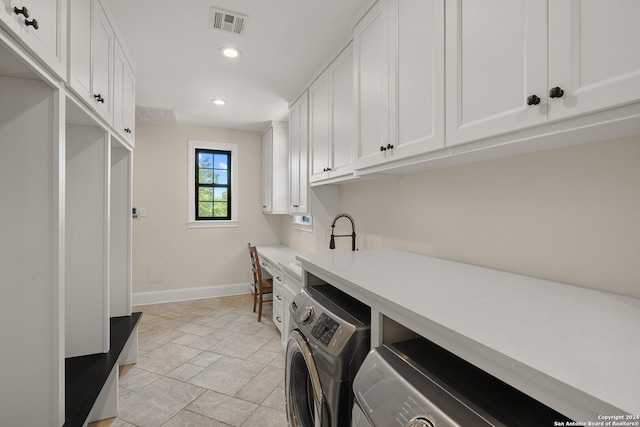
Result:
{"points": [[191, 220], [174, 295]]}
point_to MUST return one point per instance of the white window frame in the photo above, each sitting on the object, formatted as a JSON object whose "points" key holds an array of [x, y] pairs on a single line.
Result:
{"points": [[208, 145], [301, 225]]}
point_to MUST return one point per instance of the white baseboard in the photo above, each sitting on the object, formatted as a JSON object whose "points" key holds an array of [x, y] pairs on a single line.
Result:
{"points": [[173, 295]]}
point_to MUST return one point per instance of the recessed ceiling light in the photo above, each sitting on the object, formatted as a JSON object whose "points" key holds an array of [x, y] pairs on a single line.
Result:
{"points": [[230, 52], [218, 101]]}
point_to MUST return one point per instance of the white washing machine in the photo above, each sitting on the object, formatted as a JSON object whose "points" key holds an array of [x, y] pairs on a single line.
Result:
{"points": [[416, 383]]}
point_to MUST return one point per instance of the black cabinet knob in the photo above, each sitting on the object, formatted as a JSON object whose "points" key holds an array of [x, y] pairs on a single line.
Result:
{"points": [[127, 130], [556, 92], [99, 98], [533, 100], [383, 148], [24, 11], [389, 146], [33, 23]]}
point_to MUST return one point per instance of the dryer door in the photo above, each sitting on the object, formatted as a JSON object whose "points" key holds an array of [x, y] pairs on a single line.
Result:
{"points": [[305, 400]]}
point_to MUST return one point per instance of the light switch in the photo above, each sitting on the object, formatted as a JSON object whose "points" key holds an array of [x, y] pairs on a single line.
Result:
{"points": [[142, 211]]}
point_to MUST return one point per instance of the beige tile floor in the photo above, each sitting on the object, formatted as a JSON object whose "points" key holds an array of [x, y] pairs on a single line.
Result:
{"points": [[203, 363]]}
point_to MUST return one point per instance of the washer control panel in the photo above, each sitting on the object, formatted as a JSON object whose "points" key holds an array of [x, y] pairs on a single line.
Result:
{"points": [[319, 324]]}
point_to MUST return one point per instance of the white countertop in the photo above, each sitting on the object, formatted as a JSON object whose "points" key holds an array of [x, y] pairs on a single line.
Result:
{"points": [[575, 349], [283, 256]]}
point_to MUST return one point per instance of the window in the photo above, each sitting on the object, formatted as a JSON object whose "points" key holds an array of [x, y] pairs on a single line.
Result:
{"points": [[303, 223], [212, 186], [212, 179]]}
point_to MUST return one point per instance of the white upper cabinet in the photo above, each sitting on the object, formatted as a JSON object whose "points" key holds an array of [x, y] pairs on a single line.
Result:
{"points": [[399, 69], [319, 127], [594, 56], [275, 169], [102, 63], [100, 72], [80, 18], [124, 92], [343, 137], [508, 70], [332, 120], [41, 26], [298, 147]]}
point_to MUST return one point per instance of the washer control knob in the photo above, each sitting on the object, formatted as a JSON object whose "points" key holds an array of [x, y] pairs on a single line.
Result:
{"points": [[307, 315], [420, 422]]}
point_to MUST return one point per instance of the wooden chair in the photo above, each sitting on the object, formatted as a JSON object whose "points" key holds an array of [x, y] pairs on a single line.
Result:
{"points": [[260, 286]]}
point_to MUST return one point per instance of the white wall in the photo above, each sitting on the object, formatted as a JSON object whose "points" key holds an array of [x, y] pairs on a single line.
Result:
{"points": [[570, 215], [192, 257]]}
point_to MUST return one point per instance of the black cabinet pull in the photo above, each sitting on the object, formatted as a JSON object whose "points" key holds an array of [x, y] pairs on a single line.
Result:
{"points": [[127, 130], [533, 100], [99, 98], [24, 11], [389, 146], [33, 23], [383, 148], [556, 92]]}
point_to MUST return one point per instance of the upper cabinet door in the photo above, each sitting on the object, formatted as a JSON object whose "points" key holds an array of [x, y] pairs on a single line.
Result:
{"points": [[80, 17], [298, 166], [102, 63], [41, 25], [123, 94], [371, 61], [319, 127], [343, 116], [594, 56], [496, 67], [419, 77], [399, 68]]}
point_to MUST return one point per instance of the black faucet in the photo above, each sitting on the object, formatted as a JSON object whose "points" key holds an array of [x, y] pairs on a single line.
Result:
{"points": [[332, 242]]}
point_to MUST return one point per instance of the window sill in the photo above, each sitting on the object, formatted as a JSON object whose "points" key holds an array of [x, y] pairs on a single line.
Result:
{"points": [[212, 224], [303, 227]]}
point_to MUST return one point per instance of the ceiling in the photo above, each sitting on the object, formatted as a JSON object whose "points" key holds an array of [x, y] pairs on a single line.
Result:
{"points": [[284, 45]]}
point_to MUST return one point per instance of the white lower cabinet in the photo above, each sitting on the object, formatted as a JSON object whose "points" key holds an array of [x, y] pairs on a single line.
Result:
{"points": [[291, 287], [278, 305]]}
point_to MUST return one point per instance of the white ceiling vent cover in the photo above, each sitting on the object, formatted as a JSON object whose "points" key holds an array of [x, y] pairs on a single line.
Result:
{"points": [[231, 22], [156, 114]]}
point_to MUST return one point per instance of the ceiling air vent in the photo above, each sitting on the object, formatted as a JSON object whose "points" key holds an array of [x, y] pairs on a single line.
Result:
{"points": [[156, 114], [230, 22]]}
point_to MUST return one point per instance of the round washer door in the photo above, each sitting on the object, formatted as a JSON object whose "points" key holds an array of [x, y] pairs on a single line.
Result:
{"points": [[304, 397]]}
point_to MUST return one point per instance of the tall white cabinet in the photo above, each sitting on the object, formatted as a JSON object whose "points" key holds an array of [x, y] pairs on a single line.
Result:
{"points": [[65, 216]]}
